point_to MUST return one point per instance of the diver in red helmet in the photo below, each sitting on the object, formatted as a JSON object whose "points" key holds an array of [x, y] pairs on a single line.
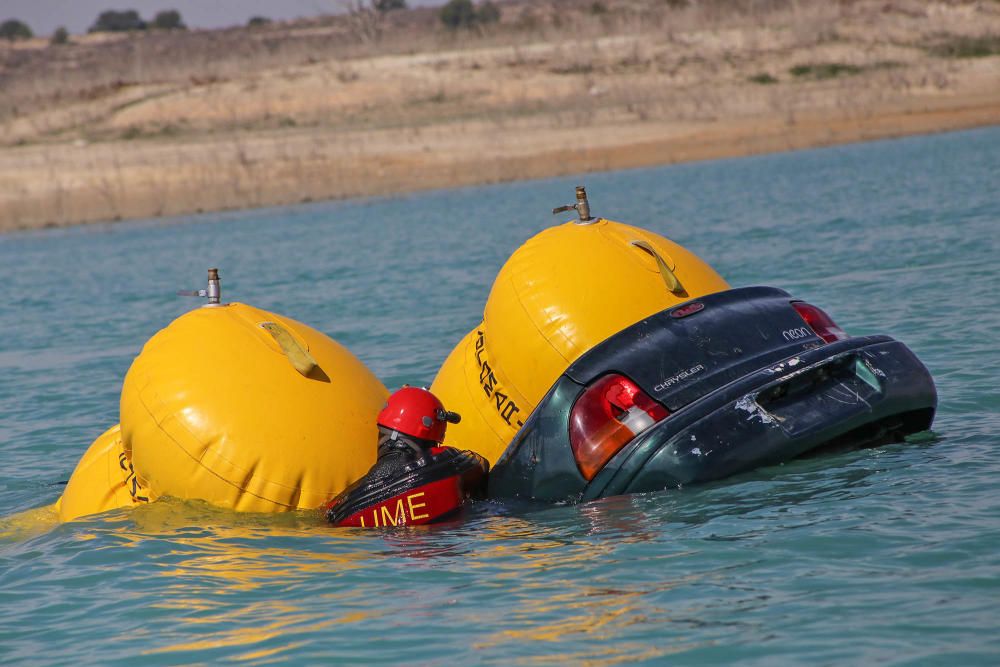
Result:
{"points": [[414, 480], [415, 418]]}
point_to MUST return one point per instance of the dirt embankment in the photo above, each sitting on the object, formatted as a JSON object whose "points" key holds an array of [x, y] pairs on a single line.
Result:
{"points": [[119, 126]]}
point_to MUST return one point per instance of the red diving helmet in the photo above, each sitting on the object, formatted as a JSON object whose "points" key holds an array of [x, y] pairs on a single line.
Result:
{"points": [[417, 413]]}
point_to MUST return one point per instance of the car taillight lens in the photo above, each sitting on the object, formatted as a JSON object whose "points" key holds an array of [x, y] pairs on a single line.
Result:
{"points": [[820, 322], [606, 417]]}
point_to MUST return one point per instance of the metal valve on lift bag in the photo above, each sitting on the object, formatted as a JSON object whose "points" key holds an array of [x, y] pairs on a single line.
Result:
{"points": [[213, 293]]}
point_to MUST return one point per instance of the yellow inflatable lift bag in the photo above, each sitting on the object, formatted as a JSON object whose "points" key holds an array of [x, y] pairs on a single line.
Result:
{"points": [[560, 294], [239, 407], [103, 480]]}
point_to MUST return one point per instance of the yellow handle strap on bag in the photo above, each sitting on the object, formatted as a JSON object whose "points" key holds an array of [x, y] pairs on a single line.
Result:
{"points": [[671, 281], [298, 356]]}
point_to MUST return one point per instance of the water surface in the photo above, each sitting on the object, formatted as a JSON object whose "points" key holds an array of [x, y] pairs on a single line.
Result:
{"points": [[882, 556]]}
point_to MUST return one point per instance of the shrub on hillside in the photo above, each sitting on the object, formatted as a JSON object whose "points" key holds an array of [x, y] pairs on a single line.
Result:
{"points": [[823, 70], [13, 29], [463, 14], [488, 13], [115, 21], [60, 36], [168, 20], [762, 78], [968, 47], [258, 21]]}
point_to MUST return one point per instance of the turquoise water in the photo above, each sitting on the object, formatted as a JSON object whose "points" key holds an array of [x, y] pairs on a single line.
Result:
{"points": [[881, 556]]}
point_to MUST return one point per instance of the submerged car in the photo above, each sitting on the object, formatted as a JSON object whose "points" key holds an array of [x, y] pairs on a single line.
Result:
{"points": [[613, 360], [712, 387]]}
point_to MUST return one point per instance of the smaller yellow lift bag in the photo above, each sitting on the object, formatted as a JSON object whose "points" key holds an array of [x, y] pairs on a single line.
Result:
{"points": [[239, 407], [561, 293], [103, 480]]}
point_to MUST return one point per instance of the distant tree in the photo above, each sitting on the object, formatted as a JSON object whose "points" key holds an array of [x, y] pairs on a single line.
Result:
{"points": [[366, 16], [168, 20], [258, 21], [115, 21], [13, 29], [463, 14], [458, 14], [60, 36], [487, 13]]}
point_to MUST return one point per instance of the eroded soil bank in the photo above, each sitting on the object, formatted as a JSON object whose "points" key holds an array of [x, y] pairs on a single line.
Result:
{"points": [[134, 126]]}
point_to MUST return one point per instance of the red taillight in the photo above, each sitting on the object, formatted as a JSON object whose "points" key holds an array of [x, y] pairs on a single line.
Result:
{"points": [[606, 417], [819, 322]]}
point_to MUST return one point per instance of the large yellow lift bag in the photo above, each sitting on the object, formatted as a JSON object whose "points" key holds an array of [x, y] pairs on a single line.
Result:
{"points": [[560, 294], [248, 410]]}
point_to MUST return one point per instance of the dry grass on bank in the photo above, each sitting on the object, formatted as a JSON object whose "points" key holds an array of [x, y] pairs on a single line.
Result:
{"points": [[161, 123]]}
